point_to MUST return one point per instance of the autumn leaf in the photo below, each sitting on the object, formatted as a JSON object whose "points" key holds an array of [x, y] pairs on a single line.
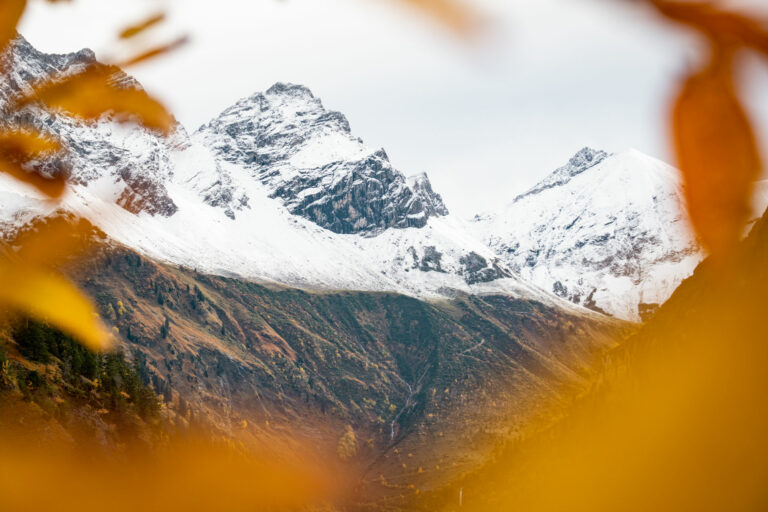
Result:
{"points": [[18, 148], [10, 14], [717, 154], [51, 298], [723, 27], [716, 148], [134, 30], [94, 92], [53, 241], [154, 52], [31, 286], [453, 14]]}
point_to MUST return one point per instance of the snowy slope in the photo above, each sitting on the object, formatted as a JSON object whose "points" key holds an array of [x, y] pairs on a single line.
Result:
{"points": [[276, 188], [605, 231], [268, 243], [308, 159]]}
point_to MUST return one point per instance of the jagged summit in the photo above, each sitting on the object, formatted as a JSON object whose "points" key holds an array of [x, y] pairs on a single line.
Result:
{"points": [[284, 138], [309, 160], [290, 89], [130, 165], [605, 231], [26, 64], [277, 188], [432, 201], [584, 159]]}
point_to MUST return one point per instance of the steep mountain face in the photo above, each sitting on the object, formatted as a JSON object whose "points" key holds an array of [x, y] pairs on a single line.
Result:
{"points": [[128, 165], [274, 189], [605, 231], [277, 189], [421, 384], [309, 160], [585, 159]]}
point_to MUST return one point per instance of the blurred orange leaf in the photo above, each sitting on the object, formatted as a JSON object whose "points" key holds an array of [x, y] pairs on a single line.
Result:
{"points": [[52, 241], [717, 154], [10, 13], [140, 27], [186, 475], [715, 144], [92, 93], [451, 13], [18, 147], [51, 298], [154, 52], [726, 28]]}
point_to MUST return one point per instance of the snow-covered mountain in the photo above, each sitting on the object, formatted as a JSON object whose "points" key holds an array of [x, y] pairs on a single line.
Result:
{"points": [[605, 231], [308, 159], [276, 188]]}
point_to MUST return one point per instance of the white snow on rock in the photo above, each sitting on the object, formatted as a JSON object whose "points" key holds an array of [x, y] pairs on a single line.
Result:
{"points": [[277, 189], [609, 232]]}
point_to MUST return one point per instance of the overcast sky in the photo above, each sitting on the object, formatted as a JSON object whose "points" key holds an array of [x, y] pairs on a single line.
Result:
{"points": [[486, 118]]}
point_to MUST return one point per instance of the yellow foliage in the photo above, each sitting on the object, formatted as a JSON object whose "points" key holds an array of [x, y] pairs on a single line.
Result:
{"points": [[87, 95], [453, 14], [138, 28], [193, 475], [50, 297], [93, 93], [347, 445], [18, 147]]}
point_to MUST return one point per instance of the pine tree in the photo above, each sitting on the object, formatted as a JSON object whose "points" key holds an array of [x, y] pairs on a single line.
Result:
{"points": [[167, 391], [166, 328]]}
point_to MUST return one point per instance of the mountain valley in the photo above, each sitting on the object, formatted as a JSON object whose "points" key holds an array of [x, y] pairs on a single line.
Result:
{"points": [[270, 273]]}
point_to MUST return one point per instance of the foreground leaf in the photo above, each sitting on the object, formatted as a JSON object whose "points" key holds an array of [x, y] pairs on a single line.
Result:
{"points": [[18, 147], [450, 13], [135, 30], [93, 93], [726, 28], [154, 52], [717, 154], [53, 241], [50, 297], [10, 14]]}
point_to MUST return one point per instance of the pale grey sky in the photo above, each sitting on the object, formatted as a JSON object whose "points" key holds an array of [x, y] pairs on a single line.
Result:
{"points": [[485, 119]]}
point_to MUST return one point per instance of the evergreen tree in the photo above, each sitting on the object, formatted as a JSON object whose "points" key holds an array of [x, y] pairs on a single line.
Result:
{"points": [[166, 328], [167, 391]]}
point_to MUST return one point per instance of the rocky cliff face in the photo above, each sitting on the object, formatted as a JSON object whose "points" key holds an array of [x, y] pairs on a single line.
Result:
{"points": [[310, 161], [130, 164]]}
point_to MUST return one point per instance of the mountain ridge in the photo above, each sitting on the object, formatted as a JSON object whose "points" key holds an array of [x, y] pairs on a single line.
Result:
{"points": [[277, 189]]}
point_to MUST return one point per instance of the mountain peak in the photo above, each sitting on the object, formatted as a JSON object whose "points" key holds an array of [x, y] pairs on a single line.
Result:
{"points": [[431, 201], [132, 164], [289, 89], [584, 159], [608, 232], [307, 158]]}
